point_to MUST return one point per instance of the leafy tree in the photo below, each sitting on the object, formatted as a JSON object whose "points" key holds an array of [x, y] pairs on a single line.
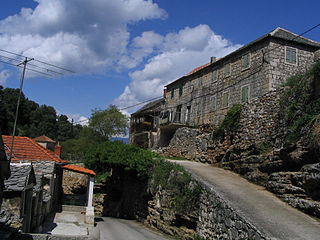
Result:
{"points": [[109, 122], [43, 122], [33, 120], [64, 128], [3, 115], [109, 154], [9, 99], [75, 149]]}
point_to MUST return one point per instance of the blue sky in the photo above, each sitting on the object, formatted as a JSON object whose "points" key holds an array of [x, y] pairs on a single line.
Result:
{"points": [[124, 51]]}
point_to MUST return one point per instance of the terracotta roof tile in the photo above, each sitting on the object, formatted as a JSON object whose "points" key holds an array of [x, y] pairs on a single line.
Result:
{"points": [[43, 138], [79, 169], [197, 69], [27, 149]]}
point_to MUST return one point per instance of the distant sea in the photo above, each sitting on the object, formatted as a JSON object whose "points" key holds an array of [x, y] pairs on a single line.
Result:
{"points": [[124, 140]]}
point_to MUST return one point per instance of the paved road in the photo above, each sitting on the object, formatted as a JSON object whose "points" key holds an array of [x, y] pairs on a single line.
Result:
{"points": [[260, 207], [119, 229]]}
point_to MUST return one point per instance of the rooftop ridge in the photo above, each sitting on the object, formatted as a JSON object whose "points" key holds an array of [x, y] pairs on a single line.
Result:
{"points": [[43, 153]]}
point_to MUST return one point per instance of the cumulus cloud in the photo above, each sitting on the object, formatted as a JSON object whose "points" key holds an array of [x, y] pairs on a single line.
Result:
{"points": [[78, 119], [175, 54], [79, 34], [4, 75]]}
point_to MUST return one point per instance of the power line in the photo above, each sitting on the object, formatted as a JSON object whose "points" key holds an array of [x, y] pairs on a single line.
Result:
{"points": [[33, 65], [85, 120], [137, 104], [300, 35], [54, 66], [36, 60], [29, 69]]}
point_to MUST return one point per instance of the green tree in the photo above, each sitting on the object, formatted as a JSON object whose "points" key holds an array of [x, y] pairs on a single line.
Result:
{"points": [[43, 122], [109, 122], [101, 157], [75, 149], [9, 97], [64, 128]]}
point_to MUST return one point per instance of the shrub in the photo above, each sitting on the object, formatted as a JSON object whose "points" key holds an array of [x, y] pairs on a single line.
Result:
{"points": [[301, 106], [177, 180], [103, 156], [230, 123]]}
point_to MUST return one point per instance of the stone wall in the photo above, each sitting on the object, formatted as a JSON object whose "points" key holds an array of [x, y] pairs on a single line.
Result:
{"points": [[212, 218], [10, 214], [218, 220]]}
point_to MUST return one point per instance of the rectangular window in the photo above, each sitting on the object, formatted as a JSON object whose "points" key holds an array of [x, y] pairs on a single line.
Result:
{"points": [[213, 102], [188, 111], [245, 94], [291, 55], [227, 70], [214, 75], [180, 90], [199, 81], [225, 99], [245, 60], [172, 93]]}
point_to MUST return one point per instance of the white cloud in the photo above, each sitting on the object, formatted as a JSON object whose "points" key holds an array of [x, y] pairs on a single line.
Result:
{"points": [[175, 55], [78, 119], [4, 75], [78, 34]]}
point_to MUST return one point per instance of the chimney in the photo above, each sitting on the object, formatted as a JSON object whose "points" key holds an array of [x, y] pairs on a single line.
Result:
{"points": [[164, 92], [213, 59], [57, 150]]}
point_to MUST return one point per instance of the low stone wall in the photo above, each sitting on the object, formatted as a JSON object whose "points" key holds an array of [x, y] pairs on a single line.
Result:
{"points": [[217, 220], [212, 218]]}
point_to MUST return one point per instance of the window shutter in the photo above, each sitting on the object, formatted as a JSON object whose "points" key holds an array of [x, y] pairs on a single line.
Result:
{"points": [[245, 94]]}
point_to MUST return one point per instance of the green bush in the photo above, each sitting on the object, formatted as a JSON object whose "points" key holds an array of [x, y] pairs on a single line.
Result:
{"points": [[175, 179], [301, 106], [103, 156], [230, 123]]}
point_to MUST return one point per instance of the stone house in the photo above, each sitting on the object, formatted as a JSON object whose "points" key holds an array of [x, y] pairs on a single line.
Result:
{"points": [[16, 212], [48, 168], [143, 124], [204, 95]]}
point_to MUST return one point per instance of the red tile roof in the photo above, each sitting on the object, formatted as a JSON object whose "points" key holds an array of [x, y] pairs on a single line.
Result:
{"points": [[79, 169], [197, 69], [43, 138], [27, 149]]}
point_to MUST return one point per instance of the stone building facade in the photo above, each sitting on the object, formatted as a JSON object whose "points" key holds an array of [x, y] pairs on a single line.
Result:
{"points": [[205, 95], [143, 125]]}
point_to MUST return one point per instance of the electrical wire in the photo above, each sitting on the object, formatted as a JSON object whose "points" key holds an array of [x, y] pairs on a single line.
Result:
{"points": [[36, 60], [137, 104], [30, 69]]}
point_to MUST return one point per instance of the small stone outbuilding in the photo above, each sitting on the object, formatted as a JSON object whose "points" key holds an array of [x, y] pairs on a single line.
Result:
{"points": [[16, 211]]}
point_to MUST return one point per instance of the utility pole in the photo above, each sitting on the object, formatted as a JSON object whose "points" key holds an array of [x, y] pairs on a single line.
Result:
{"points": [[24, 63]]}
